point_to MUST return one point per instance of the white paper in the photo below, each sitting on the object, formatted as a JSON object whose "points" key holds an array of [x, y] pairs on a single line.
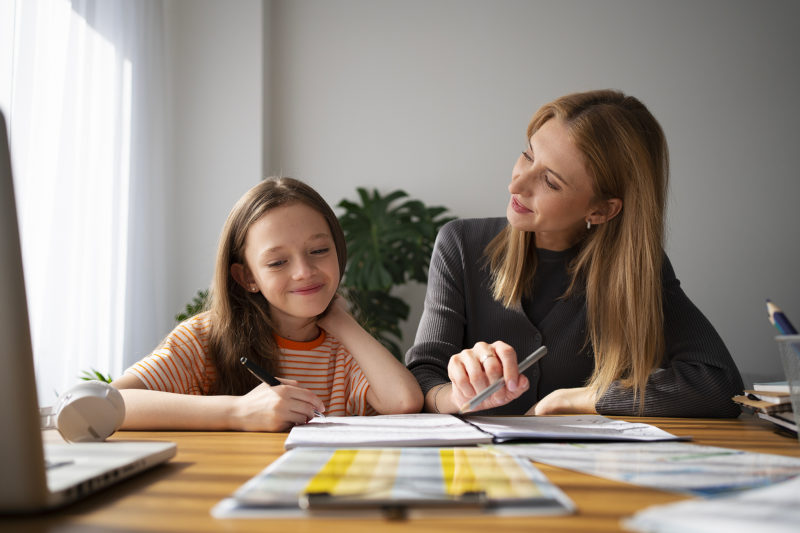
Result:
{"points": [[423, 429], [773, 509], [579, 427]]}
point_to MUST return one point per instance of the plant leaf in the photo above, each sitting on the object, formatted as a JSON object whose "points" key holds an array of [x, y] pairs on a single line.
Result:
{"points": [[94, 375], [389, 240]]}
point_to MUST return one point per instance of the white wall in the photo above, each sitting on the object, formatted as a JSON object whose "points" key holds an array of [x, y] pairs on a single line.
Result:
{"points": [[434, 97], [215, 63]]}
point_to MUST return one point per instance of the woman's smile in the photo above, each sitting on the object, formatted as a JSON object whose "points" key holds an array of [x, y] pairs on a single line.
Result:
{"points": [[518, 207]]}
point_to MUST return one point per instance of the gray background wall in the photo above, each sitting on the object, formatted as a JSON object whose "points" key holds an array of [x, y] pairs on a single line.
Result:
{"points": [[434, 97]]}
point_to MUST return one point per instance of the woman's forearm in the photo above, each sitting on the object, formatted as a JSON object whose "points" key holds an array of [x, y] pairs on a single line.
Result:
{"points": [[439, 399]]}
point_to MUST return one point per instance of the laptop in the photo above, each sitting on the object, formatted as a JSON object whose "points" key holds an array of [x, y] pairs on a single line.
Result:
{"points": [[42, 475]]}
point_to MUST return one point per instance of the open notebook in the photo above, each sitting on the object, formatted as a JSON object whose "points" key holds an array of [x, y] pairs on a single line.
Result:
{"points": [[38, 476], [428, 429]]}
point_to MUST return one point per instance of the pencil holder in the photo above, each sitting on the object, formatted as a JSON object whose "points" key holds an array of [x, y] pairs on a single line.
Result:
{"points": [[790, 358]]}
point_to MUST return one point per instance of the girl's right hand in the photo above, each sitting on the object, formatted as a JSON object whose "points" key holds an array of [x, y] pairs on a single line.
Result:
{"points": [[474, 369], [277, 408]]}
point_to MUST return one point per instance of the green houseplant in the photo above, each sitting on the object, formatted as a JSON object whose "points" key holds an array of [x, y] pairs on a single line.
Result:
{"points": [[196, 306], [95, 375], [389, 243]]}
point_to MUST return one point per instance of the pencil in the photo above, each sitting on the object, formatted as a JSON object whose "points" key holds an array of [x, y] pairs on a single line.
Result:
{"points": [[494, 387], [779, 320], [262, 374]]}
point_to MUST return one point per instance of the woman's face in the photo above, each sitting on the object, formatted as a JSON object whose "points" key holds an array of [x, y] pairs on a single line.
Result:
{"points": [[291, 259], [551, 191]]}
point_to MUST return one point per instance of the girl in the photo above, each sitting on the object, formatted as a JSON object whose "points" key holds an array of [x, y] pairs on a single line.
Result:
{"points": [[577, 264], [273, 300]]}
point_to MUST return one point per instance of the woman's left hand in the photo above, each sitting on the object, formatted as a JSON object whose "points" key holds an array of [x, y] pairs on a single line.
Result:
{"points": [[579, 400]]}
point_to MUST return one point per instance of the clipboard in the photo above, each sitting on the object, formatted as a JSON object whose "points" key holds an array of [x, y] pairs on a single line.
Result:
{"points": [[391, 507], [396, 483]]}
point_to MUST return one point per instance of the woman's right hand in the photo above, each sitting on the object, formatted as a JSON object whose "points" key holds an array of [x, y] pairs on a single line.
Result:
{"points": [[276, 408], [474, 369]]}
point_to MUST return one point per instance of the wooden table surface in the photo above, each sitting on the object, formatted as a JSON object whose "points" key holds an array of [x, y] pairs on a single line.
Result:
{"points": [[209, 466]]}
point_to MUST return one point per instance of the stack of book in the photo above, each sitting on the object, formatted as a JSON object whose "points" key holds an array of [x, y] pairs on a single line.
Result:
{"points": [[770, 401]]}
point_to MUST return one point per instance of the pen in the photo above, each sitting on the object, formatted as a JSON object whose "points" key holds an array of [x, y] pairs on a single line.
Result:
{"points": [[259, 372], [779, 320], [262, 374], [494, 387]]}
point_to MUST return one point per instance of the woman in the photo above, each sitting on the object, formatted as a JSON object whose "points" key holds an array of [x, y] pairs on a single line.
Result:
{"points": [[577, 265]]}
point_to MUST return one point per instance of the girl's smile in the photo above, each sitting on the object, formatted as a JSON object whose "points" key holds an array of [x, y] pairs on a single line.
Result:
{"points": [[308, 290]]}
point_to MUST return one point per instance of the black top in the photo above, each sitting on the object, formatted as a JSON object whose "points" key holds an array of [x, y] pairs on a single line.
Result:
{"points": [[697, 378]]}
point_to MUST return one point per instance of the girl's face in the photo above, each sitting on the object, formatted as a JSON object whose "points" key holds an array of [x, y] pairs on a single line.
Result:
{"points": [[291, 259], [551, 191]]}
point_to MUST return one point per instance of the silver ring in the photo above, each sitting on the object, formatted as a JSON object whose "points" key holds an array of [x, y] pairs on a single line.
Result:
{"points": [[486, 356]]}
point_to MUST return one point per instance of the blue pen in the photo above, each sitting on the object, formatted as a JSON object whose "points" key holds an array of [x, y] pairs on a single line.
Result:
{"points": [[262, 374], [779, 320]]}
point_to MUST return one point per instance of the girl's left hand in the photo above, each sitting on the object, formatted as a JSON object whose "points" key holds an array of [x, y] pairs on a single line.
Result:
{"points": [[335, 315], [579, 400], [392, 388]]}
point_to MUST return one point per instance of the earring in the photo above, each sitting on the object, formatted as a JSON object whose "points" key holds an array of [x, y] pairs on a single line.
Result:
{"points": [[588, 224], [253, 288]]}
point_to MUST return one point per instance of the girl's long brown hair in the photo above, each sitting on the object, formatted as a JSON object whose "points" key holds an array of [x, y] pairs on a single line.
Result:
{"points": [[240, 320], [619, 262]]}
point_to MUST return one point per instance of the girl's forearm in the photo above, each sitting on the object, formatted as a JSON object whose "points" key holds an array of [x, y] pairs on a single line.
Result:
{"points": [[393, 389], [157, 410]]}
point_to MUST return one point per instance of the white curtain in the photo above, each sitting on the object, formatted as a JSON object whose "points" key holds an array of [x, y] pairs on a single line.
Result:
{"points": [[84, 93]]}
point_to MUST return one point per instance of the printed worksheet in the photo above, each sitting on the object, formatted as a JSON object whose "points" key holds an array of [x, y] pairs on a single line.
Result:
{"points": [[674, 466], [775, 509], [569, 427], [422, 429]]}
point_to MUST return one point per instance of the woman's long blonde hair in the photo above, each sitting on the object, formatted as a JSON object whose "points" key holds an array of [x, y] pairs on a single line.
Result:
{"points": [[240, 320], [619, 262]]}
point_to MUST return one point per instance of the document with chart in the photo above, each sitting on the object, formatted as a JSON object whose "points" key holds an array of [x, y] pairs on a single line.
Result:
{"points": [[675, 466], [305, 481]]}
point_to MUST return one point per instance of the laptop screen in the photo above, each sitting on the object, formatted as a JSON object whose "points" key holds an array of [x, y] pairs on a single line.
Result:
{"points": [[78, 468], [21, 455]]}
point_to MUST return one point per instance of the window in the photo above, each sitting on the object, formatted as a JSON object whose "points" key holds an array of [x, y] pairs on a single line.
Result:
{"points": [[82, 88]]}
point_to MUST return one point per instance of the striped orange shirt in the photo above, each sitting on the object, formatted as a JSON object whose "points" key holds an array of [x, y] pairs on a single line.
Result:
{"points": [[182, 364]]}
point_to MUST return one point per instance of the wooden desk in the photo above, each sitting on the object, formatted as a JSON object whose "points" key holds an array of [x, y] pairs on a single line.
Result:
{"points": [[211, 465]]}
